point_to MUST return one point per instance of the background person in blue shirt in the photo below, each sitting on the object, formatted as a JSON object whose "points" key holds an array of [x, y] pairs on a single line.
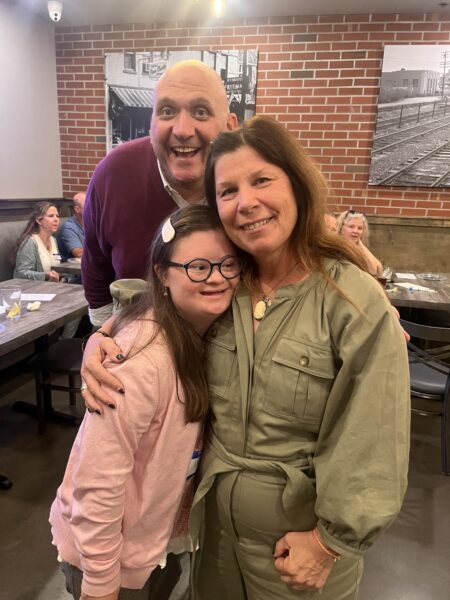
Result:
{"points": [[71, 234]]}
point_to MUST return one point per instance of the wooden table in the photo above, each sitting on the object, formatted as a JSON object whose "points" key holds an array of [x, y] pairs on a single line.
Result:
{"points": [[68, 304], [439, 299], [72, 268]]}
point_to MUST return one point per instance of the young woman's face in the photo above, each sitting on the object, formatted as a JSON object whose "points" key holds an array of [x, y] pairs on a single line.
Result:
{"points": [[200, 303], [353, 229], [50, 221], [256, 203]]}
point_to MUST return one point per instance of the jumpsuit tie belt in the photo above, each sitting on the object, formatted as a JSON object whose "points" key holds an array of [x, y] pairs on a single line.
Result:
{"points": [[299, 487]]}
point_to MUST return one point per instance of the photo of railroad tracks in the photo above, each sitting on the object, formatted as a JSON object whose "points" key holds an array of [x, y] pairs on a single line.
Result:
{"points": [[411, 145]]}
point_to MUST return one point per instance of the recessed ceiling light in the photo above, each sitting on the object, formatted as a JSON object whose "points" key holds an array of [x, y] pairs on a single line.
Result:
{"points": [[217, 8]]}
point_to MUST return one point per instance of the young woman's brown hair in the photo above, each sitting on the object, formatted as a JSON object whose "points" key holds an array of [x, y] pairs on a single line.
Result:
{"points": [[186, 346], [40, 209], [310, 240]]}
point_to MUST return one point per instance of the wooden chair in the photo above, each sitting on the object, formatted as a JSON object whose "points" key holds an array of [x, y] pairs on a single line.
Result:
{"points": [[430, 377], [61, 358]]}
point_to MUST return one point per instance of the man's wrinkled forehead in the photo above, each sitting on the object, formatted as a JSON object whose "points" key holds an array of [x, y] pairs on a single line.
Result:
{"points": [[191, 81], [199, 100]]}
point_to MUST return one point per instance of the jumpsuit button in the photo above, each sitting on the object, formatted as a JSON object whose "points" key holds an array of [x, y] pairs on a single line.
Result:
{"points": [[213, 332], [304, 361]]}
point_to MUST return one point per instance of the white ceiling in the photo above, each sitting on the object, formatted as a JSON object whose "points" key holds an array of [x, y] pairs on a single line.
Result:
{"points": [[85, 12]]}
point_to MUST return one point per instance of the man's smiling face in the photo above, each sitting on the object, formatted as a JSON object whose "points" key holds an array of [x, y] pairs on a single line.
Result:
{"points": [[190, 109]]}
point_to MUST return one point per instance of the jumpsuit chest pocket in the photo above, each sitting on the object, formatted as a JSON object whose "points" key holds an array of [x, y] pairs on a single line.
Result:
{"points": [[222, 359], [299, 381]]}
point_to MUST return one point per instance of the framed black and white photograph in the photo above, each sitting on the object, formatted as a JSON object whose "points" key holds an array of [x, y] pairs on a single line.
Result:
{"points": [[131, 78], [411, 144]]}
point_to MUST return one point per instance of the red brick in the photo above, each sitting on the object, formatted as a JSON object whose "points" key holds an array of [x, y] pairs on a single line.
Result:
{"points": [[435, 37], [411, 212], [306, 19], [439, 213], [104, 28], [408, 37], [411, 17], [438, 16], [428, 204]]}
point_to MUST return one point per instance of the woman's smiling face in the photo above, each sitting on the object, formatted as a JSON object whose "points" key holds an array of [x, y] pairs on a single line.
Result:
{"points": [[256, 203], [200, 303]]}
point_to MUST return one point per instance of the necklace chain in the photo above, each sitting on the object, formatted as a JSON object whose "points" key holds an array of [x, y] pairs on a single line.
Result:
{"points": [[264, 304]]}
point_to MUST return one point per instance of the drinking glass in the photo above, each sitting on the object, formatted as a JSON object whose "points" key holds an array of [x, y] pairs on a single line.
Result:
{"points": [[12, 304]]}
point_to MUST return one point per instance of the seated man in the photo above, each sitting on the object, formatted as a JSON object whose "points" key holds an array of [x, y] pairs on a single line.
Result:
{"points": [[71, 234]]}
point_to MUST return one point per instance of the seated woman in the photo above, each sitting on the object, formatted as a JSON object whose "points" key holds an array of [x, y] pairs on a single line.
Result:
{"points": [[353, 226], [37, 251]]}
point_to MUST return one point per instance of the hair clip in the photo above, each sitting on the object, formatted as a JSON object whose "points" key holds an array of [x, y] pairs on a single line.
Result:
{"points": [[167, 231]]}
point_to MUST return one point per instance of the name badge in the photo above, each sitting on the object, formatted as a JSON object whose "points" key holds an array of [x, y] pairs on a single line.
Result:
{"points": [[196, 456]]}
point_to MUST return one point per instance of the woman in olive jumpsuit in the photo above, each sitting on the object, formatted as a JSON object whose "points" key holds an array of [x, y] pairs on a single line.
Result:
{"points": [[309, 432]]}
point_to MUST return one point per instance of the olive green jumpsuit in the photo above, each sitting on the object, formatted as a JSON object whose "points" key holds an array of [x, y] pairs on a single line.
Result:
{"points": [[310, 426]]}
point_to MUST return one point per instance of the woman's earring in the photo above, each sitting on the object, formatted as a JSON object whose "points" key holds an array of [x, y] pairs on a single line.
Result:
{"points": [[166, 293]]}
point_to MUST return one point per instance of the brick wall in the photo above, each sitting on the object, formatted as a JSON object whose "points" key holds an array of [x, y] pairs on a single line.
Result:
{"points": [[318, 74]]}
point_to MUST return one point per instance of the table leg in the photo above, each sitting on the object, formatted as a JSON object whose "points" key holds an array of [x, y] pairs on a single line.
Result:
{"points": [[43, 408]]}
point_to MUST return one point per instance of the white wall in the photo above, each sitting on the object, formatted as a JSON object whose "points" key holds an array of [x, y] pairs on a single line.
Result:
{"points": [[30, 159]]}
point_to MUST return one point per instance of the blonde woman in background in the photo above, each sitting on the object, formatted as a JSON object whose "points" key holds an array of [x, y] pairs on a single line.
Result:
{"points": [[353, 226]]}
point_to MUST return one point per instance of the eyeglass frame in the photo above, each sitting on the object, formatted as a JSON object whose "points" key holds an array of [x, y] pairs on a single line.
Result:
{"points": [[217, 264]]}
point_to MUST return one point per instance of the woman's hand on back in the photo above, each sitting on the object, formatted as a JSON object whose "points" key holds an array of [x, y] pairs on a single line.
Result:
{"points": [[94, 374], [301, 562]]}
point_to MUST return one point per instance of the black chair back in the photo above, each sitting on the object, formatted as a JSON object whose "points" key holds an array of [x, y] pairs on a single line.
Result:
{"points": [[430, 376]]}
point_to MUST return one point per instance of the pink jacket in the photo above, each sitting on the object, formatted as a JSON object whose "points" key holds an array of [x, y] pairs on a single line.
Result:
{"points": [[115, 510]]}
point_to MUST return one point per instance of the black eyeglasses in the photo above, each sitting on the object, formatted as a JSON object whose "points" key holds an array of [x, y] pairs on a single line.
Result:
{"points": [[200, 269]]}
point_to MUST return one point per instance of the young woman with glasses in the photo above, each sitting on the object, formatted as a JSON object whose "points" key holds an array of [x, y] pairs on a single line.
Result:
{"points": [[121, 511]]}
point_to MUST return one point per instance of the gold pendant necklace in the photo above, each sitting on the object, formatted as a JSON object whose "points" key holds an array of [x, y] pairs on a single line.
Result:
{"points": [[265, 303], [261, 308]]}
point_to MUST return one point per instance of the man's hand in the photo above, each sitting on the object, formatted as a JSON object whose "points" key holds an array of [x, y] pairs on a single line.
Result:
{"points": [[94, 373], [301, 562]]}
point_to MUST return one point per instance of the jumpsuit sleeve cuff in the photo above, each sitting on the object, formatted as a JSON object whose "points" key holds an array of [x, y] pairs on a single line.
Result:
{"points": [[350, 551]]}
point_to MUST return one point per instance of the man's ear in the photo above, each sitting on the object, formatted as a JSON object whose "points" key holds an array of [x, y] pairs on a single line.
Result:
{"points": [[232, 121]]}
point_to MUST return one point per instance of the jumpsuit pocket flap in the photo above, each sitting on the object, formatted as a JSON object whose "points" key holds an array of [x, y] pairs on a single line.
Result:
{"points": [[222, 334], [221, 356], [304, 357]]}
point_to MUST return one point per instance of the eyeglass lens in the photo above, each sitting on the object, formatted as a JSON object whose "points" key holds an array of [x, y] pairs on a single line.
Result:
{"points": [[200, 269]]}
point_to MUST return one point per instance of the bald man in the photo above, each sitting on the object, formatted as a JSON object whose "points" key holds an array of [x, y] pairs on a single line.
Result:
{"points": [[142, 181], [71, 234]]}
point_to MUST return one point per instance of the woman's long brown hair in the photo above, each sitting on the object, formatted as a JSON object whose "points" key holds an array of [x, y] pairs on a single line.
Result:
{"points": [[40, 209], [310, 241], [186, 347]]}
